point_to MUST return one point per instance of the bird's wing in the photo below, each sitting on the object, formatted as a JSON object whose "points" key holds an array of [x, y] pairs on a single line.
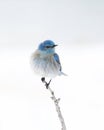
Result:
{"points": [[56, 57]]}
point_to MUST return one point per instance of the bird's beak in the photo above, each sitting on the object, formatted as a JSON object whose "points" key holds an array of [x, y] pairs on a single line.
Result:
{"points": [[54, 46]]}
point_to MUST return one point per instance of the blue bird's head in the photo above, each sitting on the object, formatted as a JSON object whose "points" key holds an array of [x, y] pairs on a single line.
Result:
{"points": [[47, 46]]}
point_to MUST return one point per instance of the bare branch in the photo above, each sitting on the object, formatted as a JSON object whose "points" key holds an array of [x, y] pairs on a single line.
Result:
{"points": [[56, 102]]}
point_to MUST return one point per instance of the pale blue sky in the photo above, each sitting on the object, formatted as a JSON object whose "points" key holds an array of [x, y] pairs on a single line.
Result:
{"points": [[24, 22]]}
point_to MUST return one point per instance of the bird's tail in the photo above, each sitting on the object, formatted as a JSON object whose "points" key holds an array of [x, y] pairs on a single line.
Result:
{"points": [[64, 74]]}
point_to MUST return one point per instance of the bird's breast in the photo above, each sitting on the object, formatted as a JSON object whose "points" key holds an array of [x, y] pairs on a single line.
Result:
{"points": [[45, 65]]}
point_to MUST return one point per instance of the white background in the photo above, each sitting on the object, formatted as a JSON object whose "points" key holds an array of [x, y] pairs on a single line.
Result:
{"points": [[78, 28]]}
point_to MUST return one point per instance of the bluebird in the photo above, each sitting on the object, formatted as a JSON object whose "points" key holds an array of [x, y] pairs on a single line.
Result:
{"points": [[46, 62]]}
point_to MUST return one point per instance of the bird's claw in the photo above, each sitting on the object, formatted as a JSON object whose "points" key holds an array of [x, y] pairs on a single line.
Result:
{"points": [[46, 84], [43, 79]]}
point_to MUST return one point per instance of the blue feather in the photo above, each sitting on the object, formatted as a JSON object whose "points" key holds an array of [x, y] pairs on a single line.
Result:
{"points": [[56, 57]]}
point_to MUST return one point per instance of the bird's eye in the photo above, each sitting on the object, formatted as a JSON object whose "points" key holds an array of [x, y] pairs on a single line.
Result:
{"points": [[47, 46]]}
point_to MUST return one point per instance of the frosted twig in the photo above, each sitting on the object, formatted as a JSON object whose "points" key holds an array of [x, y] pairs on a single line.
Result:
{"points": [[56, 102]]}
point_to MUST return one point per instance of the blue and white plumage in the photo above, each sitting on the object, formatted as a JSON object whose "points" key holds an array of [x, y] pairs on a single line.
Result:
{"points": [[45, 61]]}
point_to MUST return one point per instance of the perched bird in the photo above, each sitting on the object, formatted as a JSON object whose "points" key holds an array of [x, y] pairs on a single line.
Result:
{"points": [[46, 62]]}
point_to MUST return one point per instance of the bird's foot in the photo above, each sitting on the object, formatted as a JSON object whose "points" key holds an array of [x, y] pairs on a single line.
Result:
{"points": [[43, 79], [46, 84]]}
